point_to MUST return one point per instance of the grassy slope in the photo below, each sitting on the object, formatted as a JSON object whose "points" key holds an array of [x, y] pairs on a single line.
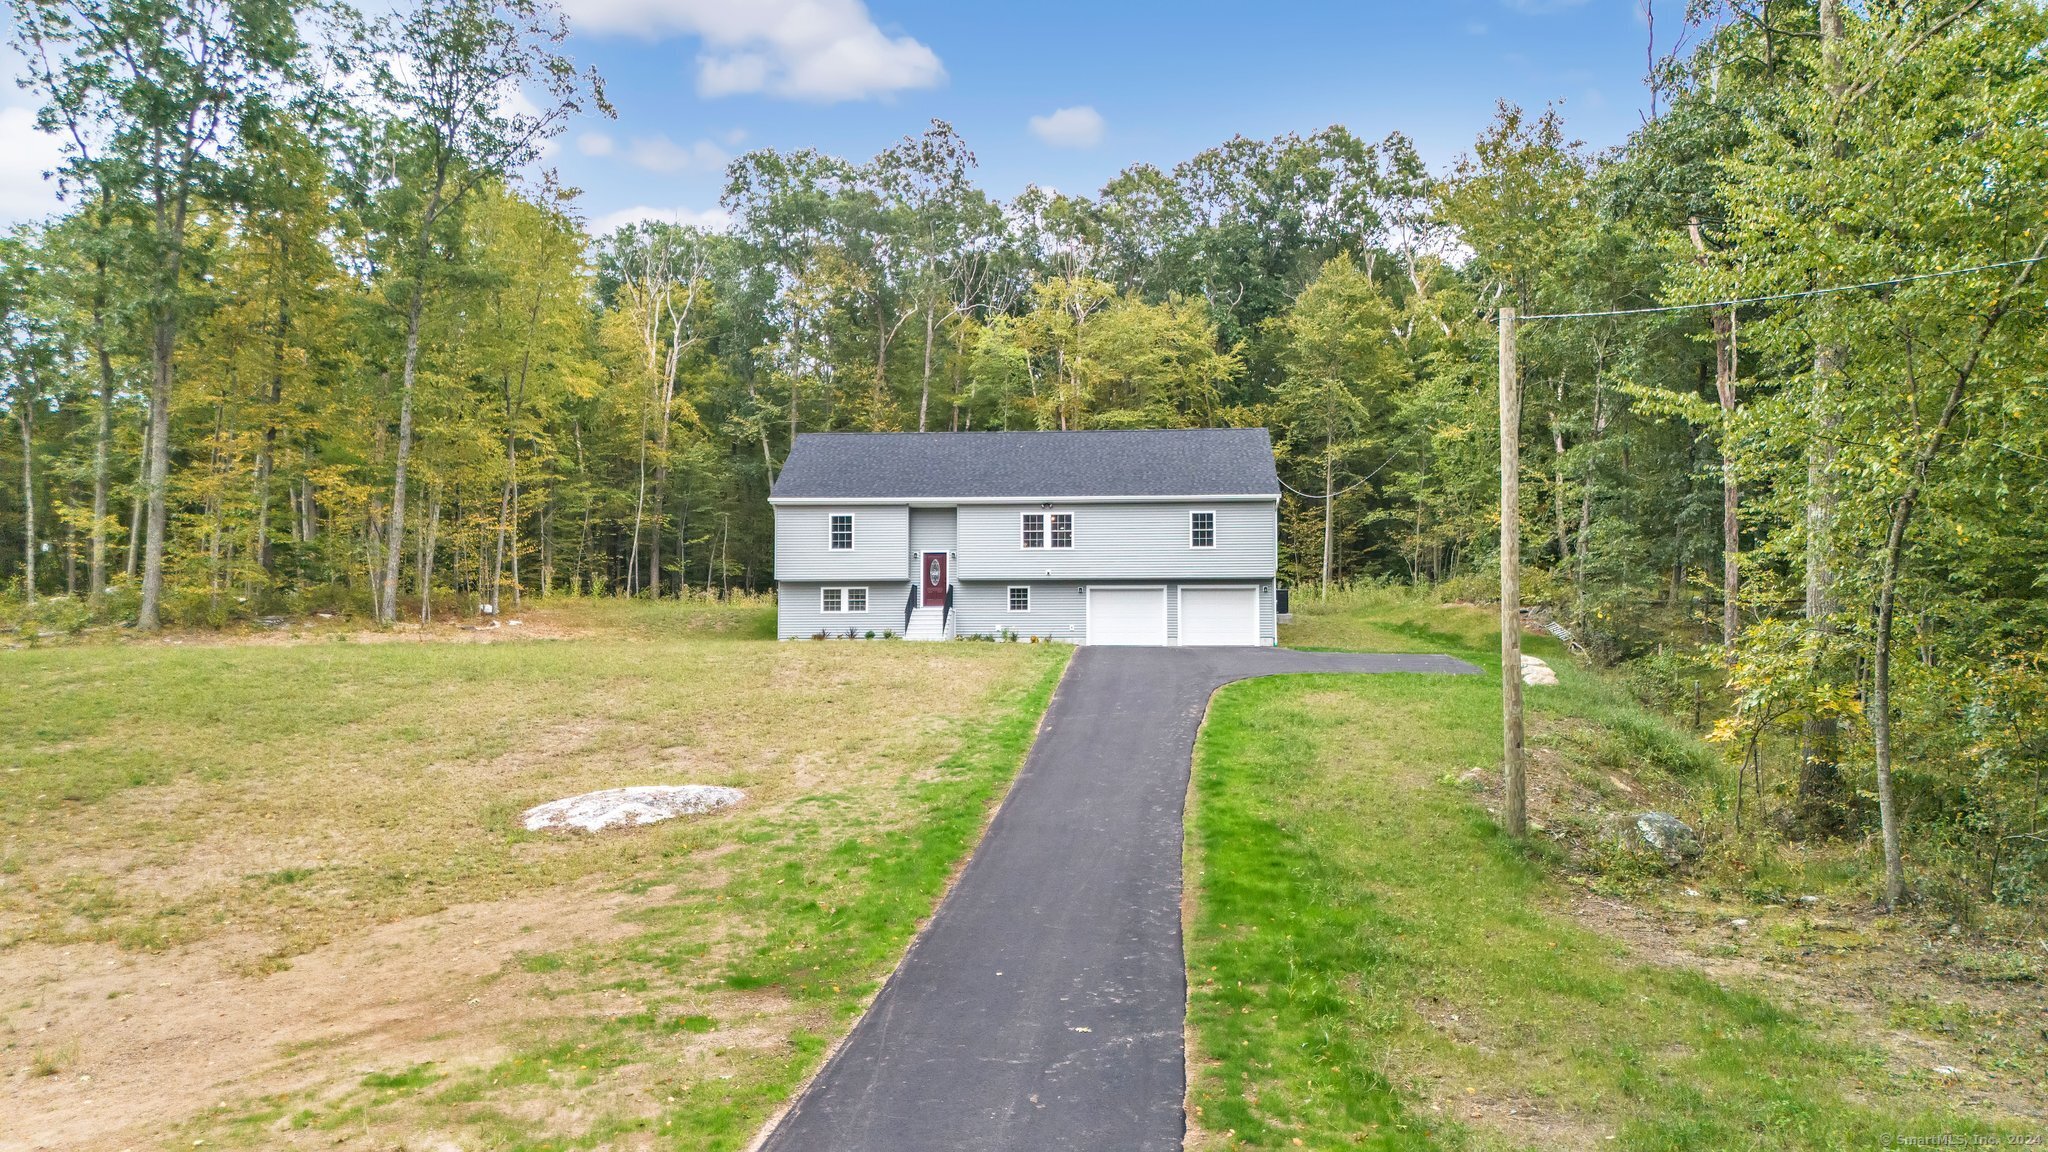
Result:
{"points": [[1372, 964], [328, 787]]}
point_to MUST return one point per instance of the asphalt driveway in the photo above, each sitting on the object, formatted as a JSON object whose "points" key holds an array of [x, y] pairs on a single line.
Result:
{"points": [[1042, 1008]]}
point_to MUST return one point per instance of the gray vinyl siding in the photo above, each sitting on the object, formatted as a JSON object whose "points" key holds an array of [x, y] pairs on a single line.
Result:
{"points": [[931, 530], [1137, 542], [881, 544], [1058, 611], [799, 617]]}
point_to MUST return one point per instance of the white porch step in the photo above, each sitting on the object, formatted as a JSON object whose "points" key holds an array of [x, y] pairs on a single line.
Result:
{"points": [[926, 624]]}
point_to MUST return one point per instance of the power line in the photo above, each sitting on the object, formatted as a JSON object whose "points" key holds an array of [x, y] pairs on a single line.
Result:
{"points": [[1788, 295], [1340, 491]]}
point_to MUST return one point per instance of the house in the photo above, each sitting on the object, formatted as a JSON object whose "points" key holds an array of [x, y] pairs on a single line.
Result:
{"points": [[1153, 537]]}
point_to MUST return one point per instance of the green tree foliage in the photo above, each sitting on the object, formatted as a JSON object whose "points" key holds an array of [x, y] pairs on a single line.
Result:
{"points": [[408, 379]]}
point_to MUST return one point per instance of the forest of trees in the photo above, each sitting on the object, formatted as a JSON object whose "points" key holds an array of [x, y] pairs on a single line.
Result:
{"points": [[315, 330]]}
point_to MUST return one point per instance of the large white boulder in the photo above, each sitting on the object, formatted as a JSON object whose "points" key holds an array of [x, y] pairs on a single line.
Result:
{"points": [[628, 807]]}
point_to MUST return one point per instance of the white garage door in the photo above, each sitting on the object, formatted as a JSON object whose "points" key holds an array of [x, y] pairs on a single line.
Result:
{"points": [[1127, 616], [1219, 616]]}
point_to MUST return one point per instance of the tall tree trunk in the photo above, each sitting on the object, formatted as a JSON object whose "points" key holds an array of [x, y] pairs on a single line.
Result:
{"points": [[428, 533], [1888, 585], [162, 346], [394, 527], [1820, 800], [70, 555], [25, 419], [102, 452], [682, 540], [265, 455], [1821, 796], [1329, 507], [924, 399], [136, 500], [1557, 513], [639, 505], [1731, 525]]}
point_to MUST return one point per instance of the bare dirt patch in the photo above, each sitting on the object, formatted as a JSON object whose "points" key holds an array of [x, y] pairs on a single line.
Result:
{"points": [[112, 1047]]}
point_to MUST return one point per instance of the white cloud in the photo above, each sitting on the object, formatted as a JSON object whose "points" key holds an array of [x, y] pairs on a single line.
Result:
{"points": [[1078, 127], [658, 153], [819, 50], [25, 154], [596, 144], [710, 219]]}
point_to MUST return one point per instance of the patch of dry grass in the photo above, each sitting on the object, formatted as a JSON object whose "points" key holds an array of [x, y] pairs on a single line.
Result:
{"points": [[307, 854]]}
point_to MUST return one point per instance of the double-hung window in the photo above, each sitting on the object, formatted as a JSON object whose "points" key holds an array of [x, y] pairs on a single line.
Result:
{"points": [[842, 532], [842, 599], [1059, 533], [1020, 598], [1201, 529]]}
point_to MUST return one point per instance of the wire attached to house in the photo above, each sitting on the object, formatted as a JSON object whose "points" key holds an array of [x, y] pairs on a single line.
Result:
{"points": [[1785, 295]]}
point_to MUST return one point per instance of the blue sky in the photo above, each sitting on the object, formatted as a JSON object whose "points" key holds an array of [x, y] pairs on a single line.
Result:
{"points": [[1063, 93]]}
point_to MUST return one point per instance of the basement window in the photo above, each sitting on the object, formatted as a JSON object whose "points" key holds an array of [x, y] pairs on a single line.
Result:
{"points": [[842, 599], [1020, 598]]}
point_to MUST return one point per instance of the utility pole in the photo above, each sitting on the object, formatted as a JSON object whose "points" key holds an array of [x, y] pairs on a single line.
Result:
{"points": [[1514, 798]]}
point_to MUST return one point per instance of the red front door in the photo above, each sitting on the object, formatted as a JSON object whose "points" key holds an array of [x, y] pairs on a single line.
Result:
{"points": [[934, 580]]}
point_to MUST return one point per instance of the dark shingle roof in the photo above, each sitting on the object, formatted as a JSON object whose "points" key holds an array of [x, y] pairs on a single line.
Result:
{"points": [[1029, 465]]}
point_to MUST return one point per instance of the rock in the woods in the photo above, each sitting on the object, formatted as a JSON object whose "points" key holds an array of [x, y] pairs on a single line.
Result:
{"points": [[1658, 832], [1535, 671], [628, 807]]}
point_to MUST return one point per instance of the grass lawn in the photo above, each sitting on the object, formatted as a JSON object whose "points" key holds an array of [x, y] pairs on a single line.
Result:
{"points": [[271, 891], [1372, 965]]}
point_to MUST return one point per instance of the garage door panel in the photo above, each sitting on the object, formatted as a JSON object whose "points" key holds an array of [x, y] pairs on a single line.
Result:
{"points": [[1219, 616], [1127, 616]]}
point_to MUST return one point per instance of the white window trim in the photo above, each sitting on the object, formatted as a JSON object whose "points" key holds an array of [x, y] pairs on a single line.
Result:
{"points": [[1211, 514], [843, 591], [852, 532], [1010, 601], [1044, 528], [1072, 527]]}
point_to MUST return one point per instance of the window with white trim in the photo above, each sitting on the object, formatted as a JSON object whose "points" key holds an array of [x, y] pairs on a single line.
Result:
{"points": [[1020, 598], [842, 532], [1201, 529], [1063, 529], [1034, 530], [842, 599]]}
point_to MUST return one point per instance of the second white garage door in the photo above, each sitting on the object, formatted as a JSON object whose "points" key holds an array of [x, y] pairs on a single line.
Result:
{"points": [[1127, 616], [1211, 616]]}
